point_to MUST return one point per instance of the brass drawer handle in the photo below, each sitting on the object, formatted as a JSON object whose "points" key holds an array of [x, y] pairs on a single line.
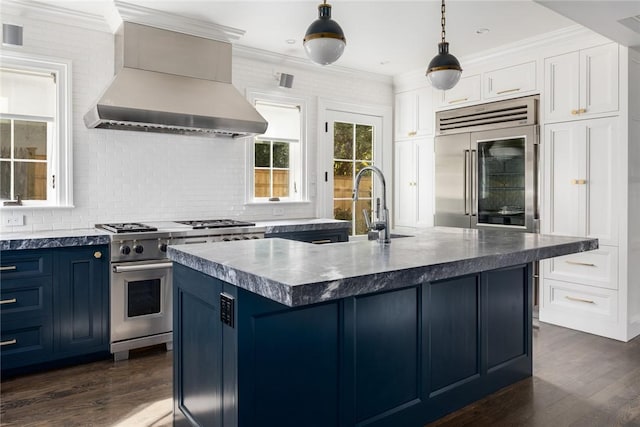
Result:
{"points": [[579, 111], [578, 181], [412, 133], [507, 91], [320, 242], [9, 301], [574, 112], [588, 264], [588, 301], [8, 268], [453, 101], [10, 342]]}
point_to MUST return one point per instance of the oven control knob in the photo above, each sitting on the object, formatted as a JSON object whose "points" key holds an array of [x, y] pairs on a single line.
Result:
{"points": [[226, 239], [162, 247], [125, 250], [245, 238], [255, 237], [138, 248], [236, 238]]}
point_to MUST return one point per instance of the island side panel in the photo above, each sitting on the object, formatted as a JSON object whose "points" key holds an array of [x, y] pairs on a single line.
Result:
{"points": [[197, 342]]}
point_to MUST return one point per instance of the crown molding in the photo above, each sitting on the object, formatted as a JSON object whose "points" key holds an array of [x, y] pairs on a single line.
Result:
{"points": [[280, 59], [53, 13], [182, 24]]}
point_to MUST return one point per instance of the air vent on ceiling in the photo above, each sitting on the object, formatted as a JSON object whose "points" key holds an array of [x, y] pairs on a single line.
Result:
{"points": [[494, 115]]}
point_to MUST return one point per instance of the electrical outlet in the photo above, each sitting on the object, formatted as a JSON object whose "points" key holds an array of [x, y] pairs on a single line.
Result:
{"points": [[13, 220], [278, 211]]}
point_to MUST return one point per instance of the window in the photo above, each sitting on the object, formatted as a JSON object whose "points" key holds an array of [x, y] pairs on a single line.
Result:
{"points": [[277, 167], [35, 149]]}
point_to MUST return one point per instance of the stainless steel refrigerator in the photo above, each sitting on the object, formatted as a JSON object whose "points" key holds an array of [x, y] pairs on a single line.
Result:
{"points": [[486, 166]]}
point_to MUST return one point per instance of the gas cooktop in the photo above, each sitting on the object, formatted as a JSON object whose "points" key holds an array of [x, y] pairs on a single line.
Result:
{"points": [[216, 223], [126, 227]]}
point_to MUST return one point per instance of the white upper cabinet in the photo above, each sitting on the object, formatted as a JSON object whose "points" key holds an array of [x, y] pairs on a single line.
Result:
{"points": [[466, 91], [581, 84], [509, 81], [580, 179], [413, 114]]}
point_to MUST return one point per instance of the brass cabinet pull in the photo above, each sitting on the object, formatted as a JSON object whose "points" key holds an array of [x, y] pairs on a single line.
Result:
{"points": [[97, 254], [8, 268], [453, 101], [9, 301], [588, 301], [320, 242], [10, 342], [588, 264], [413, 133], [578, 181], [508, 91], [574, 112], [579, 111]]}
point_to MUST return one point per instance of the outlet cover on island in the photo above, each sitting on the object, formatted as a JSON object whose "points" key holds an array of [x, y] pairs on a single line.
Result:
{"points": [[13, 220], [278, 211]]}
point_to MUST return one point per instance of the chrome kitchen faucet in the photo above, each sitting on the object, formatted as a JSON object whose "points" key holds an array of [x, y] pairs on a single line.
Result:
{"points": [[381, 226]]}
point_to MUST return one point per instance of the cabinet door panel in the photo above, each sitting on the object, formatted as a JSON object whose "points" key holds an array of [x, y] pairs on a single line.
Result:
{"points": [[81, 300], [561, 86], [405, 115], [424, 115], [424, 180], [467, 90], [599, 79], [601, 188], [405, 195], [564, 160], [510, 80]]}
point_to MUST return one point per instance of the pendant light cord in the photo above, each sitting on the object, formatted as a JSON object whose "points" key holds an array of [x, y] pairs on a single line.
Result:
{"points": [[442, 21]]}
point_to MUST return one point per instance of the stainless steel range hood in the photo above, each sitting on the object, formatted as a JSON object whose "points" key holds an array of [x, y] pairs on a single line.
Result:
{"points": [[171, 82]]}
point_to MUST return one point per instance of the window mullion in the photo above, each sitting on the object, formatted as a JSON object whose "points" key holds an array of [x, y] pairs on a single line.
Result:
{"points": [[11, 162], [271, 170]]}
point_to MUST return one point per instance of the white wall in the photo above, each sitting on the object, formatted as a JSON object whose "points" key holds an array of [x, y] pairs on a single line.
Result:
{"points": [[135, 176]]}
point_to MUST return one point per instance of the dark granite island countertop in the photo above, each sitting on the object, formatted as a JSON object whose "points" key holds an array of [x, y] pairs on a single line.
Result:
{"points": [[296, 273]]}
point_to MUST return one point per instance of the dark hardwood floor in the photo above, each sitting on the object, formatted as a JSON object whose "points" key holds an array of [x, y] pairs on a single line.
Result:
{"points": [[579, 380]]}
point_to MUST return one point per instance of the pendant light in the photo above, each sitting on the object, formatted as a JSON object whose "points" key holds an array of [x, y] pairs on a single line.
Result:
{"points": [[324, 41], [444, 69]]}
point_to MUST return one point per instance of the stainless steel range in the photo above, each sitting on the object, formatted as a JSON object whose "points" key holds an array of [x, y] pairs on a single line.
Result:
{"points": [[141, 275]]}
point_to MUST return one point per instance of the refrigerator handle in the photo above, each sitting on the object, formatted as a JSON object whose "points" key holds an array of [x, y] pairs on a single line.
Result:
{"points": [[474, 180], [465, 172]]}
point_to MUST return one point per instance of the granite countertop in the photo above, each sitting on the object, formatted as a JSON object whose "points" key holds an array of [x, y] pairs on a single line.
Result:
{"points": [[53, 239], [306, 224], [298, 273], [90, 236]]}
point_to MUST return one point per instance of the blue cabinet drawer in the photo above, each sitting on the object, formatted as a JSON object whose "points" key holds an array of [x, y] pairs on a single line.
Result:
{"points": [[24, 343], [27, 263], [29, 297]]}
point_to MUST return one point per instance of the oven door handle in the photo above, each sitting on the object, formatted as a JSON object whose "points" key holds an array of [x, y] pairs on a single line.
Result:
{"points": [[141, 267]]}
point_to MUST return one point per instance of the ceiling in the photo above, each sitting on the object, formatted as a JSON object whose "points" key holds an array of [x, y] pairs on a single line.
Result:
{"points": [[385, 37]]}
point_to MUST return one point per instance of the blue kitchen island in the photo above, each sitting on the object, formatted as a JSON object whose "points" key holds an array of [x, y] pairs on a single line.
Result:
{"points": [[281, 333]]}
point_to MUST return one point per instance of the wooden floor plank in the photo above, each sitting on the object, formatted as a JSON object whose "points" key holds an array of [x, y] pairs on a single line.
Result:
{"points": [[580, 380]]}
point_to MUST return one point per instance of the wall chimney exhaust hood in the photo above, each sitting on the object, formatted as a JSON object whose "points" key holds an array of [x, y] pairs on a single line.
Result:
{"points": [[172, 82]]}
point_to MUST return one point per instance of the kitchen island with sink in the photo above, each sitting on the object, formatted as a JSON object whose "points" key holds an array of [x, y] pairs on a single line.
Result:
{"points": [[286, 333]]}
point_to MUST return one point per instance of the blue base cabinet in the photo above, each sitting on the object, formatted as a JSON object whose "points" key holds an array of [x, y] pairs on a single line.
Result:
{"points": [[55, 306], [398, 358]]}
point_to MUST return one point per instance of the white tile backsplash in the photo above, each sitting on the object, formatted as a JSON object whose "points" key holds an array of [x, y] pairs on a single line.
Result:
{"points": [[125, 176]]}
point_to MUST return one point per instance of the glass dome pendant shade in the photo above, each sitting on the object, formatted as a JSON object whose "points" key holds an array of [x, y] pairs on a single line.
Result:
{"points": [[324, 41], [444, 70]]}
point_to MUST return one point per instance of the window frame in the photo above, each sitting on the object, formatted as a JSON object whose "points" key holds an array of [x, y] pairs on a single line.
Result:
{"points": [[298, 165], [60, 162]]}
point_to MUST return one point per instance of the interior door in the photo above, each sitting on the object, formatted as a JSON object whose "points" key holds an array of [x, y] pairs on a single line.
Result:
{"points": [[453, 180], [354, 141]]}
